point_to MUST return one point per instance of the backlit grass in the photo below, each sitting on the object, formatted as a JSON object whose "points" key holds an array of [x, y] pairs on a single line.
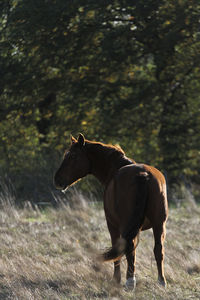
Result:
{"points": [[52, 254]]}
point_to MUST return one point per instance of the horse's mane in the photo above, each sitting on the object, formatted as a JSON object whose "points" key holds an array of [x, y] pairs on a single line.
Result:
{"points": [[107, 149]]}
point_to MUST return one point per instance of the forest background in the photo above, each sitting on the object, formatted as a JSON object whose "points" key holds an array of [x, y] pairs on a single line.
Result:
{"points": [[121, 72]]}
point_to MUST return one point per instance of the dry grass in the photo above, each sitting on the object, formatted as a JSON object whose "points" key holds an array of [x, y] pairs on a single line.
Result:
{"points": [[51, 254]]}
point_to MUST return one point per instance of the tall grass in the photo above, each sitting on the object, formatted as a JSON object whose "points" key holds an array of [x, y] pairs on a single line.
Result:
{"points": [[52, 253]]}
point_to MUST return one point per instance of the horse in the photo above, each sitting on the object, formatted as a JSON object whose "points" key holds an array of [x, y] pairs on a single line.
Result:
{"points": [[135, 199]]}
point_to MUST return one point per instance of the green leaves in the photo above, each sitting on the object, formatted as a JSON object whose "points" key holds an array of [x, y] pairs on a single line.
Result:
{"points": [[123, 72]]}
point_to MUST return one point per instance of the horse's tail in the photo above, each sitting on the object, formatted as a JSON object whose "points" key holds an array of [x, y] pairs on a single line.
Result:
{"points": [[134, 225]]}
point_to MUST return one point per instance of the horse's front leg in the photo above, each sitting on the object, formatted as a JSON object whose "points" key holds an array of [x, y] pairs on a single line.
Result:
{"points": [[115, 234], [130, 274]]}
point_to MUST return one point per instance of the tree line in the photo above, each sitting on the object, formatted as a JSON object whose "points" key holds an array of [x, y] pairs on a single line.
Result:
{"points": [[123, 72]]}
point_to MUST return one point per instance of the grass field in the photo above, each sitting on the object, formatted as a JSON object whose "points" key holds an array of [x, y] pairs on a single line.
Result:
{"points": [[51, 254]]}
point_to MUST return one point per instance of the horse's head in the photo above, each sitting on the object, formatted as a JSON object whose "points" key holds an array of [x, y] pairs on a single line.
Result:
{"points": [[74, 166]]}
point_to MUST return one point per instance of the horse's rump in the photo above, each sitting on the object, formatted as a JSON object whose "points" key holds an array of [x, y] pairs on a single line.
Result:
{"points": [[130, 195]]}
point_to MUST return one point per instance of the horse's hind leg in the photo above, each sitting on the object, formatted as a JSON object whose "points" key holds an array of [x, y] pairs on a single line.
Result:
{"points": [[130, 274], [117, 272], [159, 236]]}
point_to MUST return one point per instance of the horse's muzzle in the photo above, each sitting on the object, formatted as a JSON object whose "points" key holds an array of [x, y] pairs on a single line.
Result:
{"points": [[59, 185]]}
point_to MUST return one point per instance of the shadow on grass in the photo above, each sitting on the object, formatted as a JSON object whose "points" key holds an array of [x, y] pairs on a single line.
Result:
{"points": [[60, 286], [66, 287], [5, 291]]}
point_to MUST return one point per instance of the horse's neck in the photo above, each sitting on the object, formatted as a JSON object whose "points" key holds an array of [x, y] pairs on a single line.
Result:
{"points": [[104, 167]]}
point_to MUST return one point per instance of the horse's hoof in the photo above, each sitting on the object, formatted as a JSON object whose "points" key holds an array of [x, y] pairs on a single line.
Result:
{"points": [[130, 283], [162, 282]]}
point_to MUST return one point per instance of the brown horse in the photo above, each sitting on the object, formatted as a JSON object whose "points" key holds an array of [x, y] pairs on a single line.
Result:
{"points": [[134, 199]]}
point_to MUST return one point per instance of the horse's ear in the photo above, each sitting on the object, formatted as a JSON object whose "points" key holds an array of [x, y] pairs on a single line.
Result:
{"points": [[81, 140], [73, 140]]}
